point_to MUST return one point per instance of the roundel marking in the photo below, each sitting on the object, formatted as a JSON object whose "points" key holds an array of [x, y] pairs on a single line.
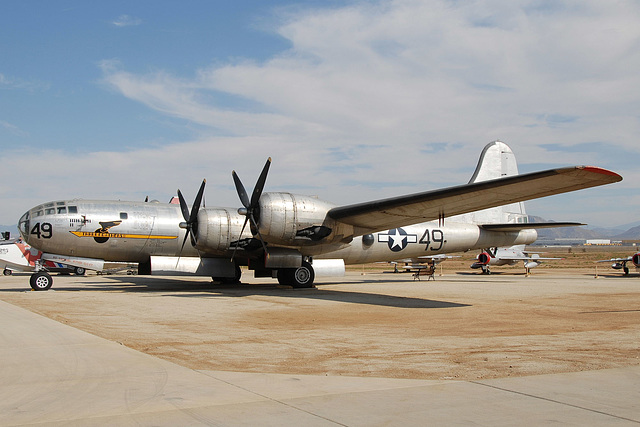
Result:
{"points": [[397, 239]]}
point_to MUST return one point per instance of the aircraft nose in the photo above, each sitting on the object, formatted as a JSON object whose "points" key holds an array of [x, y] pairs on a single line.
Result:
{"points": [[23, 226]]}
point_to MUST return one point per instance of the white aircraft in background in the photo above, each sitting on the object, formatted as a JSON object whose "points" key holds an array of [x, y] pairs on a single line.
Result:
{"points": [[421, 266], [294, 238], [18, 256], [412, 264], [509, 256], [621, 263]]}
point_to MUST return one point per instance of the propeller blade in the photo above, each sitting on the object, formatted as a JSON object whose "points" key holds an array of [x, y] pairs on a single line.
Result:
{"points": [[242, 193], [251, 206], [197, 202], [191, 219], [183, 207], [257, 190], [186, 234], [264, 245]]}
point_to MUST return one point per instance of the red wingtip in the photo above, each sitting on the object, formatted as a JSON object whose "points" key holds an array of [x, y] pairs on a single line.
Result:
{"points": [[596, 169]]}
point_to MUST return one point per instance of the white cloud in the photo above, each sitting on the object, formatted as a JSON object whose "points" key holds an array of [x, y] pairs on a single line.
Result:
{"points": [[21, 84], [409, 71], [13, 129], [126, 21], [366, 90]]}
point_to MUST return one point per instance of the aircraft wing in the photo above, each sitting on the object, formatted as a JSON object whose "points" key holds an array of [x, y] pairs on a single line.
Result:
{"points": [[523, 258], [88, 263], [436, 259], [430, 205], [627, 259]]}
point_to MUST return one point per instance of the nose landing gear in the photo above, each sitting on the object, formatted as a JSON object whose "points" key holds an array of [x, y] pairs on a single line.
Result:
{"points": [[41, 281]]}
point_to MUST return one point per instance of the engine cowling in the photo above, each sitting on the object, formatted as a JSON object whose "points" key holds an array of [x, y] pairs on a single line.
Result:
{"points": [[217, 228], [483, 259], [635, 259], [293, 220]]}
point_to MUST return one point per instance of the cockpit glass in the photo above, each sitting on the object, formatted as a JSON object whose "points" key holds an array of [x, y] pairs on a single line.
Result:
{"points": [[23, 224], [62, 210]]}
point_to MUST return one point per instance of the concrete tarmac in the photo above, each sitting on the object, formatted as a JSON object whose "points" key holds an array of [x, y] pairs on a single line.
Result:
{"points": [[55, 374]]}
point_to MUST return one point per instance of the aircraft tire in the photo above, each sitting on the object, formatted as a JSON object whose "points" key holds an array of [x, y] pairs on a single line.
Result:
{"points": [[7, 272], [79, 271], [41, 281], [301, 277], [284, 276], [230, 280], [626, 270]]}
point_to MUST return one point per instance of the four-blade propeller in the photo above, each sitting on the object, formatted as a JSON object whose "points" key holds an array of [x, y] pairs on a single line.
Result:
{"points": [[251, 207], [191, 219]]}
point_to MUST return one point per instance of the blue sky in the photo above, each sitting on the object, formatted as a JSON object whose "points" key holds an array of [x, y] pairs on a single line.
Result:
{"points": [[353, 100]]}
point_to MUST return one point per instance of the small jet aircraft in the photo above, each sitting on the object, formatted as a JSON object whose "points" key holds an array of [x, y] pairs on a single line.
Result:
{"points": [[508, 256], [621, 263], [295, 238], [420, 263], [18, 256], [422, 266]]}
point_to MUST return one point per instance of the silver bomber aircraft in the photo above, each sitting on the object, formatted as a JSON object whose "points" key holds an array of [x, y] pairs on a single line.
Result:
{"points": [[295, 238]]}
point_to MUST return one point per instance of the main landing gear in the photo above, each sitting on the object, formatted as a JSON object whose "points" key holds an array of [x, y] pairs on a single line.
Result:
{"points": [[301, 277]]}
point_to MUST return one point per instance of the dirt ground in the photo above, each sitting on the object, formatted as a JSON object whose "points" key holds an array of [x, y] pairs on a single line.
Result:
{"points": [[371, 323]]}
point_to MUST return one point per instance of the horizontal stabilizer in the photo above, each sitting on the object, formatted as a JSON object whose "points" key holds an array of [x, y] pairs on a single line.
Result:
{"points": [[528, 225]]}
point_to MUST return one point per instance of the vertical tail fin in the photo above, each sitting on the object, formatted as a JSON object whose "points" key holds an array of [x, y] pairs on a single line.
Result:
{"points": [[497, 161]]}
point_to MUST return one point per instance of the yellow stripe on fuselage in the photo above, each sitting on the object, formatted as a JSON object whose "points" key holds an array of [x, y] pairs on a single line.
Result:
{"points": [[119, 235]]}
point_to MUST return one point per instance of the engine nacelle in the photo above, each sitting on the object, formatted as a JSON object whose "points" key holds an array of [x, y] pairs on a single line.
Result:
{"points": [[288, 219], [217, 228], [635, 259], [482, 260]]}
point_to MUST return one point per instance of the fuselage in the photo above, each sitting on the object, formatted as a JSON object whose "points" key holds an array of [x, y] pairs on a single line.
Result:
{"points": [[110, 230], [135, 231], [424, 239]]}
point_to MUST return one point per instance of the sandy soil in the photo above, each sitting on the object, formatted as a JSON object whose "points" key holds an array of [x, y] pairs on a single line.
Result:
{"points": [[461, 326]]}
